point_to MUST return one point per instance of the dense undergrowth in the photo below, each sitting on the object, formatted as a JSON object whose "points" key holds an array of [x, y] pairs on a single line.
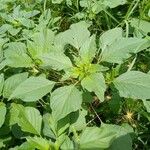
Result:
{"points": [[74, 74]]}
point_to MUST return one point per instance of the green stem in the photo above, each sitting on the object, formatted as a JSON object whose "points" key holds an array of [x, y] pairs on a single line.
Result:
{"points": [[131, 9], [110, 15], [45, 1], [77, 5], [107, 20], [77, 139], [96, 113], [132, 64], [127, 28]]}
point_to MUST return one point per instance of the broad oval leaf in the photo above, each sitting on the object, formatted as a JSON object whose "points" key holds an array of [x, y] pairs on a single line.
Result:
{"points": [[65, 100], [88, 49], [25, 146], [98, 5], [42, 43], [32, 89], [123, 139], [13, 114], [141, 25], [96, 138], [30, 120], [121, 49], [95, 83], [133, 84], [49, 126], [12, 82], [38, 143], [2, 113], [108, 37], [75, 36], [67, 144], [55, 60], [16, 55], [114, 3]]}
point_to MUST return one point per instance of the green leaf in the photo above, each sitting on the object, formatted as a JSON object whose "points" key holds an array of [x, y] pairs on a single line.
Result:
{"points": [[96, 6], [85, 3], [1, 83], [123, 139], [42, 43], [80, 123], [66, 122], [114, 3], [30, 120], [74, 121], [3, 30], [13, 114], [93, 6], [67, 144], [76, 36], [115, 102], [45, 16], [32, 89], [38, 143], [55, 60], [25, 146], [12, 82], [69, 2], [30, 14], [95, 83], [3, 64], [147, 105], [133, 84], [121, 49], [110, 36], [96, 138], [2, 113], [141, 25], [65, 100], [49, 126], [88, 49], [16, 55], [13, 31], [26, 22]]}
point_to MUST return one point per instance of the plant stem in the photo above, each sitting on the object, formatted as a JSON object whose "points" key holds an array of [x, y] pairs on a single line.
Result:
{"points": [[111, 16], [45, 1], [96, 113], [131, 9], [77, 3], [132, 64], [127, 28]]}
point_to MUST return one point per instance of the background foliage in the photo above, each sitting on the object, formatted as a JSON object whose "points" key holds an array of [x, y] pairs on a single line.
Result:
{"points": [[74, 74]]}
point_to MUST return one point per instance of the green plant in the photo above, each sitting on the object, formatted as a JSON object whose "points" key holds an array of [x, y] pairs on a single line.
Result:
{"points": [[83, 87]]}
